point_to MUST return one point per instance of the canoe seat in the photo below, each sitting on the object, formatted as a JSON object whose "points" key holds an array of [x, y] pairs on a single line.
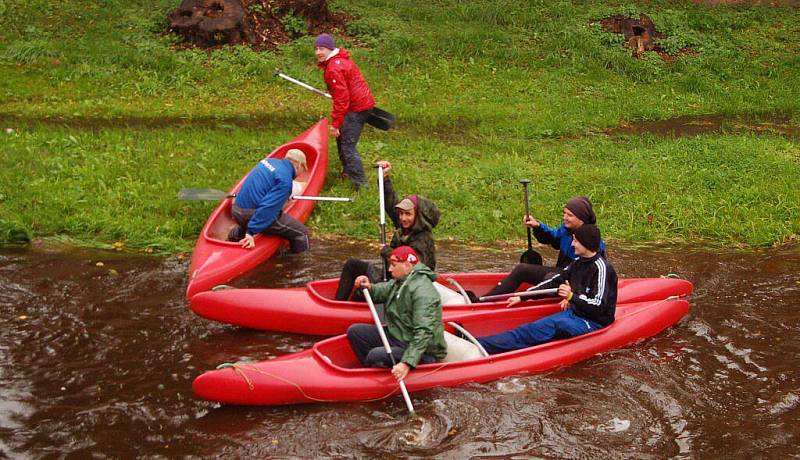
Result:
{"points": [[459, 349], [449, 296]]}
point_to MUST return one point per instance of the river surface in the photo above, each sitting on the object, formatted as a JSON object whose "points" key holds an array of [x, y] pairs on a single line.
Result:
{"points": [[97, 361]]}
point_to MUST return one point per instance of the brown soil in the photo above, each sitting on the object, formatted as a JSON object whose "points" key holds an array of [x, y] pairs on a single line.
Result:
{"points": [[776, 3], [698, 125], [268, 24], [268, 18]]}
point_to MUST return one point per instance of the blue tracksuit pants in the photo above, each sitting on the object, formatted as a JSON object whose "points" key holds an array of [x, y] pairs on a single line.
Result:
{"points": [[558, 326]]}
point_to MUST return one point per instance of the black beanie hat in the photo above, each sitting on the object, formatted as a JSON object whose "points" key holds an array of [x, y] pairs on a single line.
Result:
{"points": [[582, 208], [589, 236]]}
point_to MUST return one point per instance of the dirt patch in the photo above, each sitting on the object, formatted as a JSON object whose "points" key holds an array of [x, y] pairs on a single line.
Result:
{"points": [[698, 125], [88, 123], [773, 3], [262, 24]]}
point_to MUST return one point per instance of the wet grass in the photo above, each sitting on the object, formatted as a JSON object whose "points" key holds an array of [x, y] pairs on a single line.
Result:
{"points": [[110, 119]]}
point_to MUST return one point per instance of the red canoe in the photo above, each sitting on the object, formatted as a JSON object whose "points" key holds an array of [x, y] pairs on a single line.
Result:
{"points": [[329, 371], [216, 260], [312, 310]]}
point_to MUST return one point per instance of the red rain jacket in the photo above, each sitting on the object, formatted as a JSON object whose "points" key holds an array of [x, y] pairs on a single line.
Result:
{"points": [[347, 86]]}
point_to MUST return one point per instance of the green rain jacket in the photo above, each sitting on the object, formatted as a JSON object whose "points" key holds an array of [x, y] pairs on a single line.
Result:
{"points": [[414, 313]]}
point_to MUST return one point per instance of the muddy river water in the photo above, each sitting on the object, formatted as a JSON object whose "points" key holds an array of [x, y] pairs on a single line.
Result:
{"points": [[97, 361]]}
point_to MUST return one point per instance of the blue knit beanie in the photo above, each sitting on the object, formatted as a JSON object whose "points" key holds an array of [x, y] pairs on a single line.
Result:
{"points": [[325, 41]]}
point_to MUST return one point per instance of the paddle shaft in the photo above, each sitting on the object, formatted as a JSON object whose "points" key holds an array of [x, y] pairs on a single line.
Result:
{"points": [[378, 118], [523, 294], [302, 84], [322, 198], [383, 216], [527, 212], [210, 194], [386, 346]]}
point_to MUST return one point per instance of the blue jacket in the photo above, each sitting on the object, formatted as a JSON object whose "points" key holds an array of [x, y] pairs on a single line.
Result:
{"points": [[266, 188], [561, 239]]}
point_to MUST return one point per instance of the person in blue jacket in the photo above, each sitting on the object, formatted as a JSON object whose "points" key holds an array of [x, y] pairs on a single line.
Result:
{"points": [[588, 287], [577, 212], [259, 203]]}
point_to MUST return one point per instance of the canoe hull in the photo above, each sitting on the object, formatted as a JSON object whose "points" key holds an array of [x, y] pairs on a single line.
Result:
{"points": [[215, 260], [329, 372], [310, 310]]}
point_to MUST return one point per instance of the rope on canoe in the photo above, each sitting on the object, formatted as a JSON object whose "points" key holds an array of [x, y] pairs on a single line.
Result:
{"points": [[240, 370]]}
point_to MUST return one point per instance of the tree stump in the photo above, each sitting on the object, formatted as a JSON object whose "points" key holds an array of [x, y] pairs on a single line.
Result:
{"points": [[639, 34], [209, 23]]}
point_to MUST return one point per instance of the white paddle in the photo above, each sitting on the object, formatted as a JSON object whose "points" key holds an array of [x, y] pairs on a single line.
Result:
{"points": [[386, 346], [383, 216]]}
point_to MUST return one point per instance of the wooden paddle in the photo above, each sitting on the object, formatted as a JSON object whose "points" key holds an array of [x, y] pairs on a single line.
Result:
{"points": [[378, 118], [386, 347], [530, 256], [210, 194]]}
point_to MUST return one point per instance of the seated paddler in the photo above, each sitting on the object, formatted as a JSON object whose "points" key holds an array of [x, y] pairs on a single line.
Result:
{"points": [[588, 289], [413, 317], [577, 212], [414, 218]]}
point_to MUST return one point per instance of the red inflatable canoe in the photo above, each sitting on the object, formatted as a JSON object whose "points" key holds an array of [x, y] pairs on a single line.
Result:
{"points": [[216, 260], [329, 371], [312, 310]]}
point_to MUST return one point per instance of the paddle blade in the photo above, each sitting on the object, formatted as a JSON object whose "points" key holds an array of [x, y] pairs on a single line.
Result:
{"points": [[380, 119], [202, 194], [531, 257]]}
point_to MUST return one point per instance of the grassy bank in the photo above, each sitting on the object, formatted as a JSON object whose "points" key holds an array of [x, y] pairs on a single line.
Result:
{"points": [[108, 120]]}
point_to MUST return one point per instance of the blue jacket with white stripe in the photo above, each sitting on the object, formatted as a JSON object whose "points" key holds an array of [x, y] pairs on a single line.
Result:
{"points": [[266, 189], [594, 288]]}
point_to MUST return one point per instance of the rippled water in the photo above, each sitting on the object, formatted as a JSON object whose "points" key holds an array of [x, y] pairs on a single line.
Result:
{"points": [[98, 361]]}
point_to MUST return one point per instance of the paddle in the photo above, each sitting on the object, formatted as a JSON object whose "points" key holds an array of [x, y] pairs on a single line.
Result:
{"points": [[378, 118], [523, 294], [386, 346], [210, 194], [383, 217], [530, 256]]}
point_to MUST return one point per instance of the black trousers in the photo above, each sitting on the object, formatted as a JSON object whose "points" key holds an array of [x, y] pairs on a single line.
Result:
{"points": [[351, 270], [368, 348], [349, 133], [522, 273], [284, 226]]}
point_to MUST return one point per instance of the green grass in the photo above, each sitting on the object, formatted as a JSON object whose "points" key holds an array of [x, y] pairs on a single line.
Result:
{"points": [[110, 119]]}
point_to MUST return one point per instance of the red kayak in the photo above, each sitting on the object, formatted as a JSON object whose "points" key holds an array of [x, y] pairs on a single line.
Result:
{"points": [[215, 259], [329, 371], [312, 310]]}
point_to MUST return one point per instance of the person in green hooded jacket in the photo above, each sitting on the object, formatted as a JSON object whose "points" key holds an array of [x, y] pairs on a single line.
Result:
{"points": [[413, 317], [414, 218]]}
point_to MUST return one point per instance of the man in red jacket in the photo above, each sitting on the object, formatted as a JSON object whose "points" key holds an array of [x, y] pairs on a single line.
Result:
{"points": [[352, 104]]}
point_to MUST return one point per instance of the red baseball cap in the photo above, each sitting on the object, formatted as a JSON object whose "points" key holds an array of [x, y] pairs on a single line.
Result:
{"points": [[405, 254]]}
